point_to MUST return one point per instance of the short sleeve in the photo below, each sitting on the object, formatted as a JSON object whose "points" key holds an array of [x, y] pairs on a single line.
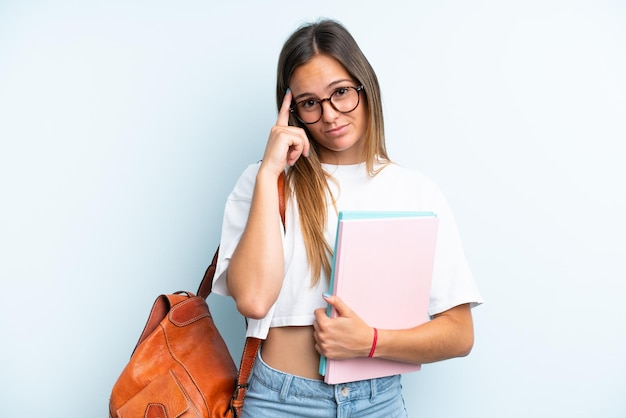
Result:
{"points": [[453, 283], [235, 218]]}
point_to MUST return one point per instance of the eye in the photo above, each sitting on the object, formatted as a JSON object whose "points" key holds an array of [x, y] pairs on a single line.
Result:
{"points": [[308, 104], [342, 91]]}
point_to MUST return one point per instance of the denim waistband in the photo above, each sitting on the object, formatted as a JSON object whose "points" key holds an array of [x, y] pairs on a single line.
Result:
{"points": [[289, 385]]}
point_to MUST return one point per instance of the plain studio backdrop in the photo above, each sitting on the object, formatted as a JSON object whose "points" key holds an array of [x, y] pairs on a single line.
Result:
{"points": [[125, 124]]}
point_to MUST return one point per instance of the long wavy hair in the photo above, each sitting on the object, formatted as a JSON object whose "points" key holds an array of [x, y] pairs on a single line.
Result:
{"points": [[306, 179]]}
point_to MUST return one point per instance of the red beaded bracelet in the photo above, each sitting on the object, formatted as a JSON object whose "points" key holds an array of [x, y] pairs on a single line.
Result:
{"points": [[371, 354]]}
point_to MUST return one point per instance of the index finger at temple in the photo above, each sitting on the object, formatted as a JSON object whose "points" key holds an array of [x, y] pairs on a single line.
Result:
{"points": [[283, 113]]}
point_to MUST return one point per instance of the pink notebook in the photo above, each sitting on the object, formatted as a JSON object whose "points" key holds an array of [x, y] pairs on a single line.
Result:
{"points": [[382, 269]]}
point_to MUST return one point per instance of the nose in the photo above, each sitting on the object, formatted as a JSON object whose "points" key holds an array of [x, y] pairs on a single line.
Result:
{"points": [[329, 113]]}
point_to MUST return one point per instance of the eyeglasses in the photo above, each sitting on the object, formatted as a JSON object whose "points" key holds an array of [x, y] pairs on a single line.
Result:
{"points": [[343, 100]]}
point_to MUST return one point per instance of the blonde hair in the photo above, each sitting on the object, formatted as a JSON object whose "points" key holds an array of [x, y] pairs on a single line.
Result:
{"points": [[306, 179]]}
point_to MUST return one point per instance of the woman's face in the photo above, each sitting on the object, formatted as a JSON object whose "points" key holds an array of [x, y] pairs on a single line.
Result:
{"points": [[340, 136]]}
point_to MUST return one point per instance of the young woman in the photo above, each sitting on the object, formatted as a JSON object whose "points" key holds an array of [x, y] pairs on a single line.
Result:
{"points": [[329, 140]]}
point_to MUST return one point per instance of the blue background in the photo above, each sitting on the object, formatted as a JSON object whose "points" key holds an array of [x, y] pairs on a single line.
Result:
{"points": [[125, 124]]}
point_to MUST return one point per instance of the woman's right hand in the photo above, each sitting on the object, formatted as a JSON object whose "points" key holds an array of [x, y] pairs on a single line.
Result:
{"points": [[286, 143]]}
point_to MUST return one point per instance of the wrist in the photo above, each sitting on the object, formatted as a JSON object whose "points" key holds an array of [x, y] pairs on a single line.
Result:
{"points": [[374, 343], [267, 173]]}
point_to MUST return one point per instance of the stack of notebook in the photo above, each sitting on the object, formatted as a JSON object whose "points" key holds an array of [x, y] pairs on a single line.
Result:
{"points": [[382, 269]]}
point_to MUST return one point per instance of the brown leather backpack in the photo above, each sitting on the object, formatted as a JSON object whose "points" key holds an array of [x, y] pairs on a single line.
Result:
{"points": [[181, 366]]}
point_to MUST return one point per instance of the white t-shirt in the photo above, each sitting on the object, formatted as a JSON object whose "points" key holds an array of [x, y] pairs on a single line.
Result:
{"points": [[394, 189]]}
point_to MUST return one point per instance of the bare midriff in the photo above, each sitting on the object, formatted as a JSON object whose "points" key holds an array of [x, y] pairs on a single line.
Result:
{"points": [[292, 350]]}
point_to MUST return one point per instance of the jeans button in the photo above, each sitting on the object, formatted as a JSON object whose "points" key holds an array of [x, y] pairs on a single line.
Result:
{"points": [[345, 391]]}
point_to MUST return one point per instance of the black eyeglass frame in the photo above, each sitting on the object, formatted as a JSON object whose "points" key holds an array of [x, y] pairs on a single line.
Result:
{"points": [[358, 89]]}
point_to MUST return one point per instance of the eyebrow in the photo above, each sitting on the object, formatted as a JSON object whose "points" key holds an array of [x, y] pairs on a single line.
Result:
{"points": [[330, 86]]}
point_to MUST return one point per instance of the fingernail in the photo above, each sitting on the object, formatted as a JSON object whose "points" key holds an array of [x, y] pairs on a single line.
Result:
{"points": [[287, 91], [325, 295]]}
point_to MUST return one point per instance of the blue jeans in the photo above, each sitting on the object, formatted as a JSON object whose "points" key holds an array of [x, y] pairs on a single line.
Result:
{"points": [[275, 394]]}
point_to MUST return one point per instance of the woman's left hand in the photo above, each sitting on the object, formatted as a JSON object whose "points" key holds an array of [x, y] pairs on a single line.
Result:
{"points": [[343, 337]]}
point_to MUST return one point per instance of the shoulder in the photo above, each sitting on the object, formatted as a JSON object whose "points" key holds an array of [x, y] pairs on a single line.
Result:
{"points": [[408, 177], [245, 184]]}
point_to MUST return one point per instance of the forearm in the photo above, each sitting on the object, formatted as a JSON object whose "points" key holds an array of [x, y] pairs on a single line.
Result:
{"points": [[450, 334], [256, 268]]}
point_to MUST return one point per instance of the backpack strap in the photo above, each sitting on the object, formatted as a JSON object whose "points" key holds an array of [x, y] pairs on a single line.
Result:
{"points": [[250, 352]]}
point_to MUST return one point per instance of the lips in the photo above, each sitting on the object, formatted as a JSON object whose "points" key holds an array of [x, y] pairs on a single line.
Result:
{"points": [[337, 131]]}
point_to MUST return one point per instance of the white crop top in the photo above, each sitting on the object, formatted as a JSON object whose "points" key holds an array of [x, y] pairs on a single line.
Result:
{"points": [[393, 188]]}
